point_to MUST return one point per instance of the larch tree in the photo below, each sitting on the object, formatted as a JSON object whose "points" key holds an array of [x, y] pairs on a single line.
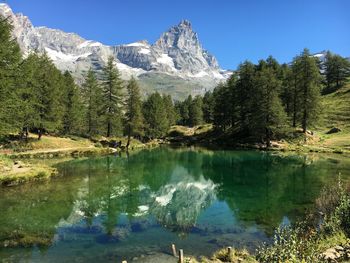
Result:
{"points": [[112, 99], [308, 86], [134, 116], [155, 115], [92, 96], [10, 59], [268, 115], [73, 107], [196, 111], [336, 71]]}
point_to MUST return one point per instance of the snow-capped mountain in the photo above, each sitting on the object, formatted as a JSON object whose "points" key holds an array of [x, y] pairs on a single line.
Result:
{"points": [[175, 64]]}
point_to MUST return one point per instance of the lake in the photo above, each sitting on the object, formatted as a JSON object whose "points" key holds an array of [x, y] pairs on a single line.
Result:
{"points": [[111, 208]]}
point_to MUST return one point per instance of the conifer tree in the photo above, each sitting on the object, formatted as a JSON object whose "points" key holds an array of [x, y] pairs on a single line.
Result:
{"points": [[73, 108], [92, 94], [268, 115], [157, 123], [336, 71], [47, 91], [184, 111], [170, 109], [196, 111], [10, 58], [134, 117], [244, 95], [112, 99], [208, 107], [308, 86], [222, 106]]}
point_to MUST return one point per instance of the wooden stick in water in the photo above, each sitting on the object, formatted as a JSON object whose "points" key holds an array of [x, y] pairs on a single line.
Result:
{"points": [[181, 256], [173, 248]]}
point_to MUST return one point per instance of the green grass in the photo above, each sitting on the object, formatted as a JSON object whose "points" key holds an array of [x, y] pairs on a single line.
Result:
{"points": [[336, 109], [30, 173]]}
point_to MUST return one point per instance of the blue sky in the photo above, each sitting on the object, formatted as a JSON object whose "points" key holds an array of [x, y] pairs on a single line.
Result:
{"points": [[232, 30]]}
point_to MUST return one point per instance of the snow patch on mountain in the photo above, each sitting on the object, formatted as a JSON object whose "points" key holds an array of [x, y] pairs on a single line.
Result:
{"points": [[177, 53]]}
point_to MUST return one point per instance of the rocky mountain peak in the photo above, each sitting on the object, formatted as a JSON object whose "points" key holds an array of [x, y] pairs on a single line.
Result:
{"points": [[5, 8], [175, 60], [185, 24], [180, 36]]}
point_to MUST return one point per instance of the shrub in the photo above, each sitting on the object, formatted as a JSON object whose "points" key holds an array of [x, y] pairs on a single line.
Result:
{"points": [[291, 244]]}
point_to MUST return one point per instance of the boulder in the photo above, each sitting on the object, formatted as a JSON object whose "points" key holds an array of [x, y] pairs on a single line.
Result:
{"points": [[331, 255], [333, 130]]}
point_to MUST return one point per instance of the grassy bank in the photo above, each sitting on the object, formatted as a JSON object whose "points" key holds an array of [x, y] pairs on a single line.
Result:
{"points": [[334, 114], [16, 172], [20, 159]]}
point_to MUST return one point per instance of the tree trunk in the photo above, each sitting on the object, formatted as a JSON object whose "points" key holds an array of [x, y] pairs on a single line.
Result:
{"points": [[40, 133], [108, 129], [129, 135]]}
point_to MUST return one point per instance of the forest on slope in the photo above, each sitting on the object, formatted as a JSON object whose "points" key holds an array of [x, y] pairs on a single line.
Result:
{"points": [[258, 103]]}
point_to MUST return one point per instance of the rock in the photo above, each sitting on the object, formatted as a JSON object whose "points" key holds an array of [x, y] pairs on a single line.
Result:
{"points": [[333, 130], [339, 248], [331, 255], [310, 132]]}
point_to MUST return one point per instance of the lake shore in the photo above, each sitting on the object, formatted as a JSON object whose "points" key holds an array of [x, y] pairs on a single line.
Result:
{"points": [[206, 136], [25, 162], [51, 147]]}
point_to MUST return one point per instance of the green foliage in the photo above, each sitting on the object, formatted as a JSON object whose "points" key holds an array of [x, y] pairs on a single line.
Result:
{"points": [[112, 99], [208, 107], [289, 246], [307, 88], [305, 242], [183, 109], [92, 96], [337, 216], [268, 114], [73, 106], [196, 111], [134, 116], [336, 72], [172, 115], [10, 58], [155, 115]]}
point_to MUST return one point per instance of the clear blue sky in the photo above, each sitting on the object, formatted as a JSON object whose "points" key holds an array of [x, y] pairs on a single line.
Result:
{"points": [[232, 30]]}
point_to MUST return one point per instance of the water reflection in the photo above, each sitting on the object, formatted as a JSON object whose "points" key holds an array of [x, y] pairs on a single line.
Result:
{"points": [[200, 199]]}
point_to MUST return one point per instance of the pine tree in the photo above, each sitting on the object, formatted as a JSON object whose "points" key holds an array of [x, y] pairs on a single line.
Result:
{"points": [[73, 108], [208, 107], [134, 117], [244, 95], [222, 107], [47, 87], [10, 58], [184, 109], [112, 99], [268, 115], [92, 94], [170, 109], [336, 71], [308, 86], [157, 123], [196, 111]]}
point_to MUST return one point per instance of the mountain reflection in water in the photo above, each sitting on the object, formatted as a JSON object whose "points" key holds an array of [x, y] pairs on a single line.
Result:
{"points": [[124, 206]]}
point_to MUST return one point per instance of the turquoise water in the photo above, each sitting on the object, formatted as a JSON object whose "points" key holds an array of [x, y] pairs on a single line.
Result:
{"points": [[119, 207]]}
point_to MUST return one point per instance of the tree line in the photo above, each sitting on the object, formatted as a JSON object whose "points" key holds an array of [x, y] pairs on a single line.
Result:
{"points": [[260, 102], [257, 102], [36, 96]]}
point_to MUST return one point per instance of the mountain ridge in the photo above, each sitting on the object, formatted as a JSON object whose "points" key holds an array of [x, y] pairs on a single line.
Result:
{"points": [[175, 64]]}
